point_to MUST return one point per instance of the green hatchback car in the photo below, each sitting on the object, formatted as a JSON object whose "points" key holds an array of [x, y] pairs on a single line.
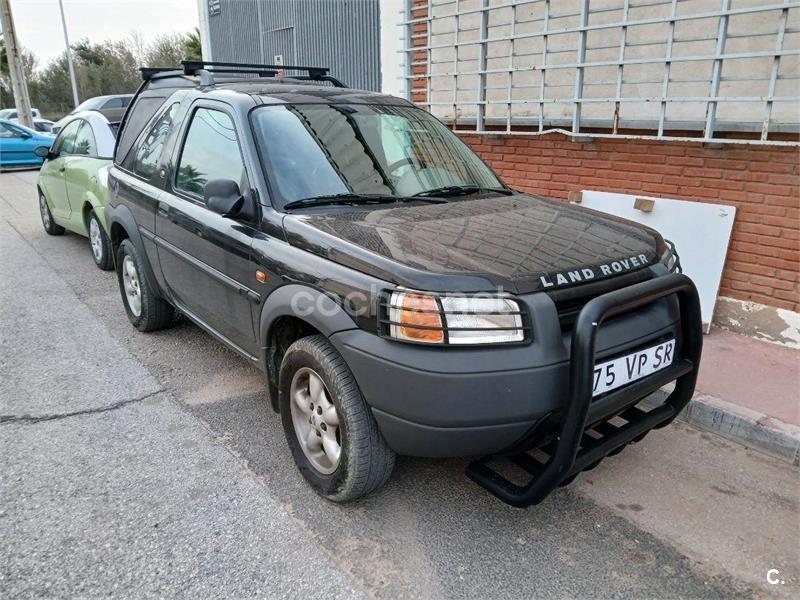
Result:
{"points": [[73, 182]]}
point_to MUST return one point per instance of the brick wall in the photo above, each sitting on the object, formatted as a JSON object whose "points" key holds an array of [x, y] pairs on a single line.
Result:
{"points": [[762, 182]]}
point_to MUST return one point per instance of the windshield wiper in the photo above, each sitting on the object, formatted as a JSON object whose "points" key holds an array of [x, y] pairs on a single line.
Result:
{"points": [[460, 190], [344, 198], [353, 198]]}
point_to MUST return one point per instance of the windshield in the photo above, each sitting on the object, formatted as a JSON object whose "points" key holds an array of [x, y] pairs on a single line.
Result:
{"points": [[313, 150]]}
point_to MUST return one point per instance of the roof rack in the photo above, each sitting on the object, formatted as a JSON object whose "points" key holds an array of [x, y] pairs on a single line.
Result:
{"points": [[198, 67], [206, 70]]}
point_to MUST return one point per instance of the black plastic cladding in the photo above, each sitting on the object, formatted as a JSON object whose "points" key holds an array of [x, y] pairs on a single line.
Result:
{"points": [[568, 457]]}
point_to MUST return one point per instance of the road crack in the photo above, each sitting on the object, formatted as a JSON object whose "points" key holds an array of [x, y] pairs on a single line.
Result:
{"points": [[31, 420]]}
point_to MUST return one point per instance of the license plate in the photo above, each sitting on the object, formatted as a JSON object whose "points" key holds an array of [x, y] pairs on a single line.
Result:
{"points": [[625, 369]]}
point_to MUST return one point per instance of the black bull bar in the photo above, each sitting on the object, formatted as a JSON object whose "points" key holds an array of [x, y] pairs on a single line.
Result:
{"points": [[586, 433]]}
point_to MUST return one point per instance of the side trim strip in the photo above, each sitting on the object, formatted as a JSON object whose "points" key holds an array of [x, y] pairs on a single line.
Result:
{"points": [[252, 295], [203, 325]]}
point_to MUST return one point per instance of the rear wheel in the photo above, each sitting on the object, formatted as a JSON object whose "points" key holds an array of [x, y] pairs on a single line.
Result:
{"points": [[146, 311], [48, 222], [101, 245], [331, 432]]}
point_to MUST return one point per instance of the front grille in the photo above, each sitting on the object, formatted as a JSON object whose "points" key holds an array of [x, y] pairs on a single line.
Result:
{"points": [[570, 301]]}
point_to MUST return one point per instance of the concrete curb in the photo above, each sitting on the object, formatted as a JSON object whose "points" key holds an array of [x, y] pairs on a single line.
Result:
{"points": [[743, 425]]}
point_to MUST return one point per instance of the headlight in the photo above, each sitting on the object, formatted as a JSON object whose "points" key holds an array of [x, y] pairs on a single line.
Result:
{"points": [[428, 319]]}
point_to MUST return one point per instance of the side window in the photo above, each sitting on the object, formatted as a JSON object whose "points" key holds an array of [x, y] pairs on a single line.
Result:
{"points": [[150, 147], [113, 103], [85, 144], [210, 151], [7, 132], [65, 142]]}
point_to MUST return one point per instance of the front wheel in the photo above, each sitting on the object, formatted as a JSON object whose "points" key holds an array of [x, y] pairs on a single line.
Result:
{"points": [[146, 311], [50, 226], [101, 245], [331, 432]]}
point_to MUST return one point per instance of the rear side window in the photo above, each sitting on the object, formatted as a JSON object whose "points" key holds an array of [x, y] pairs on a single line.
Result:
{"points": [[210, 151], [85, 144], [113, 103], [139, 116], [149, 150]]}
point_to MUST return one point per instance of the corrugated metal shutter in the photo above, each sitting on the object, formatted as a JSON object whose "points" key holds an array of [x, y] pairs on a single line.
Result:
{"points": [[340, 34]]}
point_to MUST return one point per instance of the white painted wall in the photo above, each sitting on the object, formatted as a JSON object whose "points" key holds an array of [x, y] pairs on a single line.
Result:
{"points": [[205, 33], [392, 42]]}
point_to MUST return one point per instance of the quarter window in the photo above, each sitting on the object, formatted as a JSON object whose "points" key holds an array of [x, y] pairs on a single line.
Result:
{"points": [[210, 151], [149, 150]]}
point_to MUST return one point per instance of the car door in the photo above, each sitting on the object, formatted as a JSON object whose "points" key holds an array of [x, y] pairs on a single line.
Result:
{"points": [[10, 144], [79, 167], [206, 258], [52, 177], [18, 145]]}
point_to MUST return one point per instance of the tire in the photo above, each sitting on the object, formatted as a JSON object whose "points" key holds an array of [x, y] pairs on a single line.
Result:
{"points": [[48, 222], [99, 243], [365, 459], [149, 312]]}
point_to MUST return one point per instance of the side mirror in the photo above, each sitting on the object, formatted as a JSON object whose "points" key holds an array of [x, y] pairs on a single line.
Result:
{"points": [[42, 152], [223, 197], [24, 135]]}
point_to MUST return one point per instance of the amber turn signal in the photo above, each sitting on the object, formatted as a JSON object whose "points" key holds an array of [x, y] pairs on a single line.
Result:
{"points": [[417, 319]]}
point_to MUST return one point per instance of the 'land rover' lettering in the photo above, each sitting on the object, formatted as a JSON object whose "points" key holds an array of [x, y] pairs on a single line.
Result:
{"points": [[587, 273]]}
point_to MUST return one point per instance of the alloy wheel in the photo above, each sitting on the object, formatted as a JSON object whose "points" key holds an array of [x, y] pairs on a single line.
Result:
{"points": [[45, 211], [130, 281], [316, 422], [96, 239]]}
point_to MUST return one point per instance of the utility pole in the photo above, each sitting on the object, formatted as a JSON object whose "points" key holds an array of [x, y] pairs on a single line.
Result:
{"points": [[69, 57], [18, 83]]}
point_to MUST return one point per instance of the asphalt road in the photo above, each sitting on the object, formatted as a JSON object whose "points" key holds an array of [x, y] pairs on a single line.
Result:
{"points": [[151, 465]]}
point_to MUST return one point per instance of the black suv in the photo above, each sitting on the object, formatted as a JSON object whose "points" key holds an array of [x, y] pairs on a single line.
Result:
{"points": [[398, 296]]}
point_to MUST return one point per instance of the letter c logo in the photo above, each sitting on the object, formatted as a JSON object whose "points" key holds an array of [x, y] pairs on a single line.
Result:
{"points": [[773, 580]]}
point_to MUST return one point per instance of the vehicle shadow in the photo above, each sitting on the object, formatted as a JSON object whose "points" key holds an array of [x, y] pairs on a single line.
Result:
{"points": [[432, 533]]}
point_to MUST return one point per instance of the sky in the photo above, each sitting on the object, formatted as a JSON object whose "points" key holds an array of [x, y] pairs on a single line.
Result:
{"points": [[39, 30]]}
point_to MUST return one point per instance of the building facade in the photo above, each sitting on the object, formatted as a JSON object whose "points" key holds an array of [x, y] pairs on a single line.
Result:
{"points": [[690, 99], [343, 35]]}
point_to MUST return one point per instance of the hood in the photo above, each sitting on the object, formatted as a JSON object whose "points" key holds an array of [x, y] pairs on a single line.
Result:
{"points": [[522, 243]]}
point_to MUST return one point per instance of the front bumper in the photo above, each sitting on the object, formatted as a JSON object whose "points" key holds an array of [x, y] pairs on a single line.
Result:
{"points": [[438, 402]]}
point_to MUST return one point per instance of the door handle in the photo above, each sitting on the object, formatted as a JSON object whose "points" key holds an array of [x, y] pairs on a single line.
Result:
{"points": [[163, 209], [62, 168]]}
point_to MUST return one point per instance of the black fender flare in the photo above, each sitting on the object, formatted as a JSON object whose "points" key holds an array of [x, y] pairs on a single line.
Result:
{"points": [[303, 302], [122, 216]]}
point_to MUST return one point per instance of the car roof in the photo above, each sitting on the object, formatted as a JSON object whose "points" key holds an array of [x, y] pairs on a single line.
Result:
{"points": [[106, 96], [300, 92], [20, 126], [278, 91]]}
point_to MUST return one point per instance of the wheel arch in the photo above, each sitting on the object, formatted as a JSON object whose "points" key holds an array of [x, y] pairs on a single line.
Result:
{"points": [[292, 312], [122, 226]]}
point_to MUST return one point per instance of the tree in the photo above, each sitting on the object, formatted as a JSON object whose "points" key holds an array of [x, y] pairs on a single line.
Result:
{"points": [[192, 48], [100, 69], [165, 51], [29, 63]]}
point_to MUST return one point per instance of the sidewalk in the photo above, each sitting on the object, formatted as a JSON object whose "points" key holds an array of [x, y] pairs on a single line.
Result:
{"points": [[749, 391]]}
